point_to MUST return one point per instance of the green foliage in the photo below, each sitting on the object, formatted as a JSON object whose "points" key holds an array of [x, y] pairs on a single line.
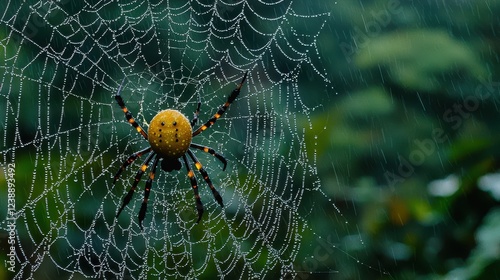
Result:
{"points": [[483, 261], [408, 136], [421, 59]]}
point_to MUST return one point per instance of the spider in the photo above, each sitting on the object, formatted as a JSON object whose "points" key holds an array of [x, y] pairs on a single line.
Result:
{"points": [[170, 134]]}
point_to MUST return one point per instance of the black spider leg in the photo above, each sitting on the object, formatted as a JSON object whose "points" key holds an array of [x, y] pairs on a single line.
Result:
{"points": [[147, 189], [194, 185], [128, 161], [128, 115], [212, 152], [138, 176], [196, 114], [222, 108], [204, 173]]}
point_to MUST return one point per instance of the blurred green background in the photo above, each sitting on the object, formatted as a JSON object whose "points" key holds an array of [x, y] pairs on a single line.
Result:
{"points": [[410, 151], [404, 129]]}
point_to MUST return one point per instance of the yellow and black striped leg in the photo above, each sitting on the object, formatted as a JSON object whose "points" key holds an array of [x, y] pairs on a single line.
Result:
{"points": [[204, 173], [222, 108], [212, 152], [194, 185], [138, 176], [129, 160], [147, 190], [128, 115]]}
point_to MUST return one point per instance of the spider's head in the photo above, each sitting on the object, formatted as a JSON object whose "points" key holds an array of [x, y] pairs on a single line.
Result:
{"points": [[170, 134]]}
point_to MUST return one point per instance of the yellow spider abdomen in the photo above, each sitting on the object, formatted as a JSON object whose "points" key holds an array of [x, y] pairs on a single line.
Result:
{"points": [[170, 134]]}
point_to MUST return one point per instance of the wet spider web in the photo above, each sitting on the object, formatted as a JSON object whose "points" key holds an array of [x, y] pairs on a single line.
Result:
{"points": [[62, 61]]}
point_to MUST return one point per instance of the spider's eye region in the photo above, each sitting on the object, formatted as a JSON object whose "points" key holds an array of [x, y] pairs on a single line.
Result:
{"points": [[170, 134]]}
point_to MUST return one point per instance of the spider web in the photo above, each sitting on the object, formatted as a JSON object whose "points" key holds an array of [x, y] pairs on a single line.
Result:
{"points": [[62, 62]]}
